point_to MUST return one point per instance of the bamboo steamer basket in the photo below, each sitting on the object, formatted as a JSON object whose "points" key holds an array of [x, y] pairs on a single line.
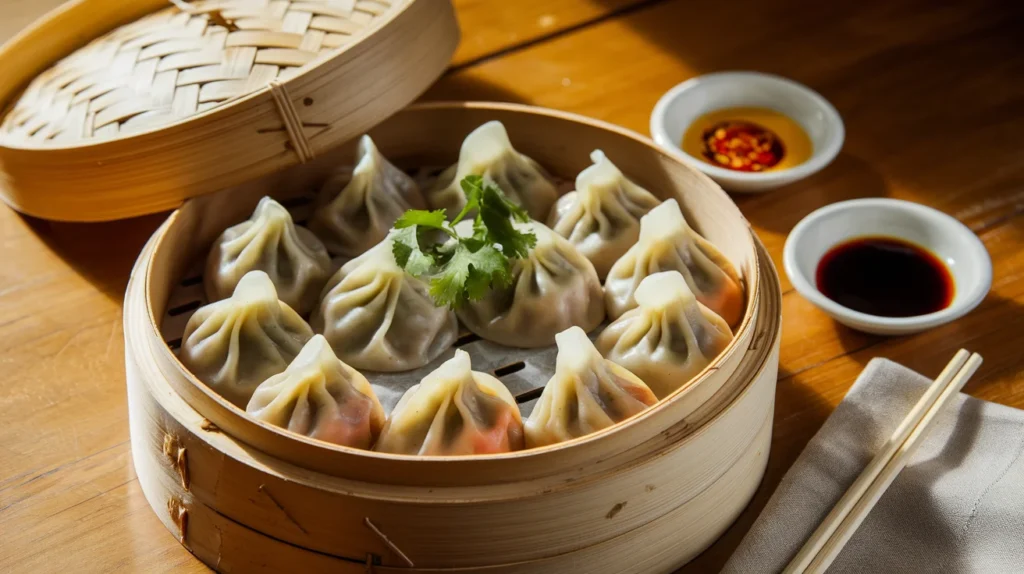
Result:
{"points": [[645, 495]]}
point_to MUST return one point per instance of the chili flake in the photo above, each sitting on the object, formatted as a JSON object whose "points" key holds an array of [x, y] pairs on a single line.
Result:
{"points": [[742, 146]]}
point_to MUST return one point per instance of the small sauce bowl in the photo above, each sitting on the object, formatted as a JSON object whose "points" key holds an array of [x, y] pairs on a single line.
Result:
{"points": [[950, 241], [694, 98]]}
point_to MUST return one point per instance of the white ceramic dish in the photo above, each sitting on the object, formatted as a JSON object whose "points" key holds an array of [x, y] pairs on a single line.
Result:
{"points": [[951, 241], [683, 104]]}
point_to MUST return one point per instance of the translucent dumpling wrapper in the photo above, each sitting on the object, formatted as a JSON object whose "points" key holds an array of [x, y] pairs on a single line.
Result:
{"points": [[235, 344], [587, 393], [269, 241], [378, 317], [321, 397], [488, 152], [668, 243], [359, 216], [552, 289], [669, 338], [602, 217], [454, 411]]}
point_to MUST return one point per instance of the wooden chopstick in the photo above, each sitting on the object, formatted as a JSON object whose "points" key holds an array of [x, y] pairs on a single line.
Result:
{"points": [[860, 510], [872, 470], [828, 540]]}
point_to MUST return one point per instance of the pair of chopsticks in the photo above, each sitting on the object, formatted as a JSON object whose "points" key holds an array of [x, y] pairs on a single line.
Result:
{"points": [[838, 527]]}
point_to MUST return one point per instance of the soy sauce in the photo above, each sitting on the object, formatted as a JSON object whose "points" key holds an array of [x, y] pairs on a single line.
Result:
{"points": [[886, 277]]}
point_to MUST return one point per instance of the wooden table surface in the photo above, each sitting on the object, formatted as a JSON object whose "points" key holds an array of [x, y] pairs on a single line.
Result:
{"points": [[932, 94]]}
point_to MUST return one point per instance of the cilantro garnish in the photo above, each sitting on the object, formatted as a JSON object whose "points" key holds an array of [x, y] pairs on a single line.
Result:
{"points": [[460, 268]]}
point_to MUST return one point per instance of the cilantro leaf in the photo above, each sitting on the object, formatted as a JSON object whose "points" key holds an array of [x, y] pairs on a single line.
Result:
{"points": [[406, 249], [473, 187], [461, 268], [495, 213], [468, 275], [494, 198], [433, 219]]}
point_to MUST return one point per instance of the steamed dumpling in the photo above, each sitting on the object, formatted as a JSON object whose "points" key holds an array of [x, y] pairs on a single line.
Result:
{"points": [[668, 243], [602, 217], [269, 241], [359, 216], [586, 394], [320, 397], [454, 411], [235, 344], [488, 152], [380, 318], [552, 289], [669, 338]]}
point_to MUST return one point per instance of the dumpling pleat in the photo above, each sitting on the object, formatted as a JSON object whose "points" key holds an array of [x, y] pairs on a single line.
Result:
{"points": [[669, 338], [668, 243], [601, 217], [355, 213], [378, 317], [488, 152], [454, 411], [294, 259], [235, 344], [552, 289], [321, 397], [586, 394]]}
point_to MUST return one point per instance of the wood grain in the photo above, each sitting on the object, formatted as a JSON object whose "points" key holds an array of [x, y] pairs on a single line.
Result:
{"points": [[490, 27], [18, 14], [931, 95]]}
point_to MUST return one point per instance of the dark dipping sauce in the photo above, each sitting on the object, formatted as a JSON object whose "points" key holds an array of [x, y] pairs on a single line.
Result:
{"points": [[886, 277]]}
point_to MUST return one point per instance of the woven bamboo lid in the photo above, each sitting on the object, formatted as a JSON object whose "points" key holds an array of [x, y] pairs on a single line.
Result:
{"points": [[114, 109]]}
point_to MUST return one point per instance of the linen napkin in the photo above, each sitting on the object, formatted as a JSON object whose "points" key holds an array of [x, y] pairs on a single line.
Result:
{"points": [[958, 506]]}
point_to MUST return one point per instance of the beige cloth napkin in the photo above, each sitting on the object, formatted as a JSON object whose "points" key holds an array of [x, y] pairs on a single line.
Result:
{"points": [[958, 506]]}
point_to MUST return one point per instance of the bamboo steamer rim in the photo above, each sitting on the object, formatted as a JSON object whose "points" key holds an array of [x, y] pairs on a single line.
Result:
{"points": [[270, 125], [752, 288]]}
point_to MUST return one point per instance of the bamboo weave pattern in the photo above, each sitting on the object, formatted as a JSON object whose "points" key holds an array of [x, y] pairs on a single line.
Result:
{"points": [[178, 62]]}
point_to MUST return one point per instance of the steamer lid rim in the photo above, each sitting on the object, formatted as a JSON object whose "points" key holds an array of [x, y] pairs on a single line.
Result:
{"points": [[401, 13]]}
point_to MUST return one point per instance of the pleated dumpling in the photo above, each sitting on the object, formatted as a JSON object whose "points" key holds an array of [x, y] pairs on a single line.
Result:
{"points": [[586, 394], [668, 243], [269, 241], [235, 344], [354, 214], [602, 217], [488, 152], [669, 338], [320, 397], [378, 317], [552, 289], [454, 411]]}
